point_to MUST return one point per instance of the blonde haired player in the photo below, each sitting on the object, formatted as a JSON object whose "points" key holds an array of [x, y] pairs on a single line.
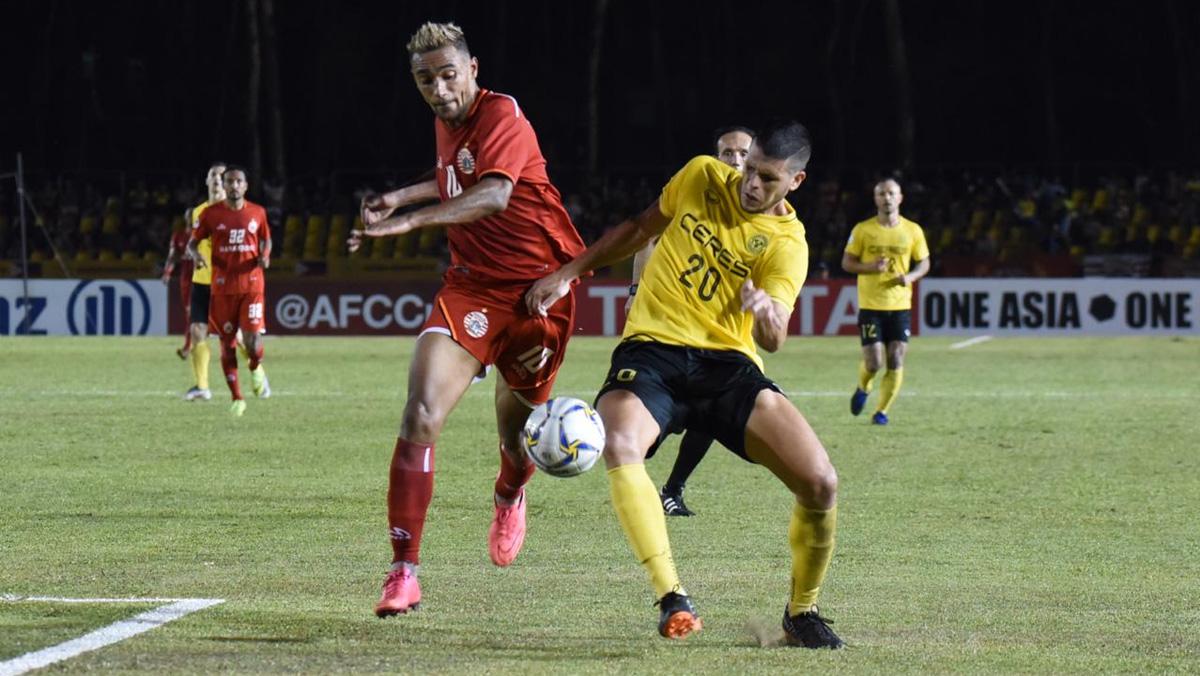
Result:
{"points": [[730, 262], [889, 254], [509, 229]]}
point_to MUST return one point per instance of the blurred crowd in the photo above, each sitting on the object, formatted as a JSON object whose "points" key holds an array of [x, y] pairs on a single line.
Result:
{"points": [[976, 222]]}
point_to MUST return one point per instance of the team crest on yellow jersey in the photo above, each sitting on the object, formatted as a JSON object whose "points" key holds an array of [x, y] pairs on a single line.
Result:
{"points": [[757, 244], [465, 161]]}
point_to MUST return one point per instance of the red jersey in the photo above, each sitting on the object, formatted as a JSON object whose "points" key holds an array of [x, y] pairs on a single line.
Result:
{"points": [[533, 236], [178, 246], [238, 236]]}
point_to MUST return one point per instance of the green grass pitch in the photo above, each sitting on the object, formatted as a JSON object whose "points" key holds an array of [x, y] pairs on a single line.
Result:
{"points": [[1033, 507]]}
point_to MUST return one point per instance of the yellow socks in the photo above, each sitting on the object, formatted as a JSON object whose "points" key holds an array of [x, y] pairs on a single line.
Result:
{"points": [[810, 535], [640, 512], [200, 356], [865, 377], [890, 387]]}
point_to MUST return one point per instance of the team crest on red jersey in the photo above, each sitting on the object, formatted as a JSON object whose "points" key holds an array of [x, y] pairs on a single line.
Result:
{"points": [[465, 161], [476, 324], [252, 226]]}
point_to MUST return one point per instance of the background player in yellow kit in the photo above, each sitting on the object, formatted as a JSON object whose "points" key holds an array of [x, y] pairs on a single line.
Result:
{"points": [[889, 254]]}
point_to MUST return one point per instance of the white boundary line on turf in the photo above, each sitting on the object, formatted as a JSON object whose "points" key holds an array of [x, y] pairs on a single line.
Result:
{"points": [[969, 342], [104, 636]]}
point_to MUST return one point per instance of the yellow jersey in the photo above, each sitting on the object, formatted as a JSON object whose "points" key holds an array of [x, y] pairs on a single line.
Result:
{"points": [[690, 291], [901, 245], [202, 275]]}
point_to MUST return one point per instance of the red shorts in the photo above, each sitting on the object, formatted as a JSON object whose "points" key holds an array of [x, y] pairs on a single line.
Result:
{"points": [[228, 312], [496, 328]]}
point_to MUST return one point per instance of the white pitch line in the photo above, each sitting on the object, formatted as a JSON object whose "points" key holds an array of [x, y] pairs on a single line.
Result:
{"points": [[970, 341], [104, 636]]}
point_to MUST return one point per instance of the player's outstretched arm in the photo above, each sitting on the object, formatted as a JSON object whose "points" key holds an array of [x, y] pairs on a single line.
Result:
{"points": [[488, 196], [770, 317], [617, 244], [375, 208]]}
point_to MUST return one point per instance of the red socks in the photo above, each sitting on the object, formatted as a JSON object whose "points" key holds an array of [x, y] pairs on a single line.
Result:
{"points": [[229, 366], [513, 475], [410, 488]]}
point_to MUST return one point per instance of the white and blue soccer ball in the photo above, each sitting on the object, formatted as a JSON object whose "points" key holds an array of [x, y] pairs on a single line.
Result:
{"points": [[564, 436]]}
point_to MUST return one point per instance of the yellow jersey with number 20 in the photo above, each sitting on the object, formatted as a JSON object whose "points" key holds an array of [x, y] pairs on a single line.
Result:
{"points": [[690, 291]]}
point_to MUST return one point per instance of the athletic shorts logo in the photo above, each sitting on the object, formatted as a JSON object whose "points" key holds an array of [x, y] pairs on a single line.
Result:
{"points": [[476, 324], [228, 327], [253, 226], [465, 161], [626, 375], [757, 244]]}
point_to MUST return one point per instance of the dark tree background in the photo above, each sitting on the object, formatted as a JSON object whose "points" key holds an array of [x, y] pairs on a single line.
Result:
{"points": [[300, 87]]}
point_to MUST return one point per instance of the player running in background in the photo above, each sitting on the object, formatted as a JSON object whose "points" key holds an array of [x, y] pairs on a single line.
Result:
{"points": [[732, 145], [177, 257], [882, 252], [241, 253], [507, 228], [730, 262]]}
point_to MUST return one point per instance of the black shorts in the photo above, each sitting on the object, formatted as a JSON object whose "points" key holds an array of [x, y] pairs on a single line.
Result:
{"points": [[710, 391], [201, 293], [888, 326]]}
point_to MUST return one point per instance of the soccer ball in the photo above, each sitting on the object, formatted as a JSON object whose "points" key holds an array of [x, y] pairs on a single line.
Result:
{"points": [[563, 436]]}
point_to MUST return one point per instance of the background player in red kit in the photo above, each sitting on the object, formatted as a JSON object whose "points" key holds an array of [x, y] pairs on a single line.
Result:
{"points": [[241, 253], [177, 257], [506, 227]]}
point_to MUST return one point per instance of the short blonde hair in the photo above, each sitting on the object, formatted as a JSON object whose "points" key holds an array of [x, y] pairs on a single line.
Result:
{"points": [[431, 36]]}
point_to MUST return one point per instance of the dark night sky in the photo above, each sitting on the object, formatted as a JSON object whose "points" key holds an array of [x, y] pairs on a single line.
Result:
{"points": [[102, 85]]}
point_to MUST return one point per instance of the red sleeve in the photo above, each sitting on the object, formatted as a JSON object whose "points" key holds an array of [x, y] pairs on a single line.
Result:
{"points": [[202, 229], [509, 142]]}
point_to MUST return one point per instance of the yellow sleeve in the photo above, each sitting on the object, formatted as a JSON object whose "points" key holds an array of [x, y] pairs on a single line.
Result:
{"points": [[920, 249], [668, 202], [854, 245], [784, 270]]}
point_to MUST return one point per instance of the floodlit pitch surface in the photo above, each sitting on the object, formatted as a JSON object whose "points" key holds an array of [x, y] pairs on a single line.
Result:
{"points": [[1031, 508]]}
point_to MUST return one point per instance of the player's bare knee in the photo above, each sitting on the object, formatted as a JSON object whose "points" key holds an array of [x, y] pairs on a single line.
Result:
{"points": [[622, 449], [421, 421], [823, 487], [872, 362], [817, 489]]}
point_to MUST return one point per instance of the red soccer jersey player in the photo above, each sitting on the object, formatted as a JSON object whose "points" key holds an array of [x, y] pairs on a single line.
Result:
{"points": [[176, 257], [506, 228], [241, 253]]}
